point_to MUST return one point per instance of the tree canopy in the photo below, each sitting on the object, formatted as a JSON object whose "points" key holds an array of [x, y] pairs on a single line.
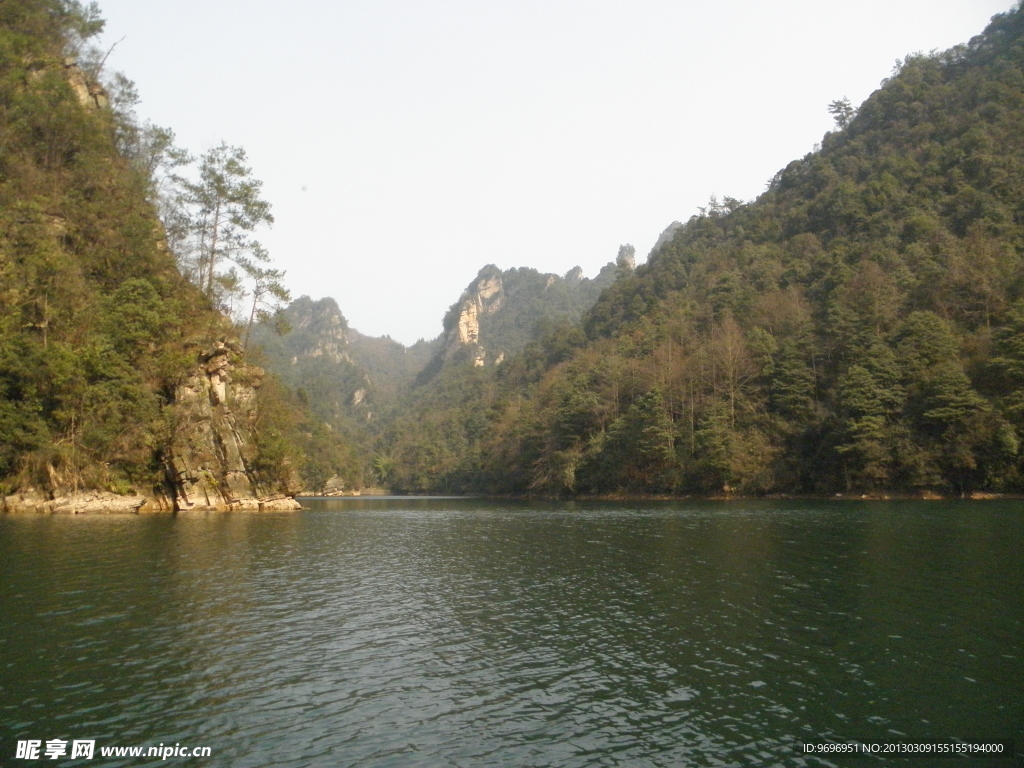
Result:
{"points": [[854, 329]]}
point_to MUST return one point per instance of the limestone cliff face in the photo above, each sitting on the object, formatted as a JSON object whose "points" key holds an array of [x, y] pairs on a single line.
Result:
{"points": [[87, 90], [89, 93], [499, 312], [484, 296], [209, 463]]}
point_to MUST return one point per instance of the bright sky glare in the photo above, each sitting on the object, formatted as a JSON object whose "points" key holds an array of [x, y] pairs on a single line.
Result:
{"points": [[404, 144]]}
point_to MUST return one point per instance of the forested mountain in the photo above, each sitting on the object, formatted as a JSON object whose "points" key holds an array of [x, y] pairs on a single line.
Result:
{"points": [[122, 383], [349, 383], [434, 438], [312, 357], [385, 398], [390, 366], [856, 328], [859, 328]]}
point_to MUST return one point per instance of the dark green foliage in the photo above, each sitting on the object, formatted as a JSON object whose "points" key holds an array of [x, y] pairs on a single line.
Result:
{"points": [[329, 397], [856, 328], [97, 325], [899, 249], [94, 317], [291, 439]]}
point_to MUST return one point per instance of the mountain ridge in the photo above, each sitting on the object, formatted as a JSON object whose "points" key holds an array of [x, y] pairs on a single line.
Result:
{"points": [[856, 329]]}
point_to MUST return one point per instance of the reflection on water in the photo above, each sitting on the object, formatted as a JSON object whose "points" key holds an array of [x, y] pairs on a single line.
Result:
{"points": [[383, 632]]}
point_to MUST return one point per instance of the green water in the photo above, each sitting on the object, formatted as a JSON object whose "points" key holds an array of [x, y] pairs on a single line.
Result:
{"points": [[471, 633]]}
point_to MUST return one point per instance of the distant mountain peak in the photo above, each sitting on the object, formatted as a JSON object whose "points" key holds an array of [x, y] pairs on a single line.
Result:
{"points": [[500, 311], [484, 296], [321, 330]]}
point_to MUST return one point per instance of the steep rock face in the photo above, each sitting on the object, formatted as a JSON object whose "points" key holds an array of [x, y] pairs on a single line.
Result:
{"points": [[499, 312], [484, 296], [89, 93], [209, 464]]}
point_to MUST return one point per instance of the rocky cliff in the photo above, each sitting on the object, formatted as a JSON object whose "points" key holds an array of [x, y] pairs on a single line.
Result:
{"points": [[484, 296], [315, 356], [208, 463], [90, 94], [318, 329], [500, 311]]}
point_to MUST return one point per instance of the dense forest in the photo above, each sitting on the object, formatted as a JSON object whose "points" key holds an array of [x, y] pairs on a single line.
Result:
{"points": [[381, 398], [94, 315], [858, 328], [112, 293]]}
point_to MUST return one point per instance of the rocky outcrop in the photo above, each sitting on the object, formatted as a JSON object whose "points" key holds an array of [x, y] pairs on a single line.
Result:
{"points": [[89, 93], [626, 260], [318, 330], [95, 503], [484, 296], [209, 463], [335, 486], [314, 357], [499, 312]]}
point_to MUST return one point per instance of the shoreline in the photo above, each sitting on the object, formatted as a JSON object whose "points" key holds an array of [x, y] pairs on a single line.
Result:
{"points": [[106, 503], [879, 496]]}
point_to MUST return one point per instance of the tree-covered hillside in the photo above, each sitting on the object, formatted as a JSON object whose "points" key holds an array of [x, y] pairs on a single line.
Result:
{"points": [[406, 413], [100, 329], [431, 438], [95, 320], [856, 328], [348, 382]]}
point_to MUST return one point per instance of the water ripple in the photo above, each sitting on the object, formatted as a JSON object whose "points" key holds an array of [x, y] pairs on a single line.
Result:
{"points": [[467, 634]]}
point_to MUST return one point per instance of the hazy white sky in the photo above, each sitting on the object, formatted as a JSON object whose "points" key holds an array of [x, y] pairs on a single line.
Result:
{"points": [[404, 144]]}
